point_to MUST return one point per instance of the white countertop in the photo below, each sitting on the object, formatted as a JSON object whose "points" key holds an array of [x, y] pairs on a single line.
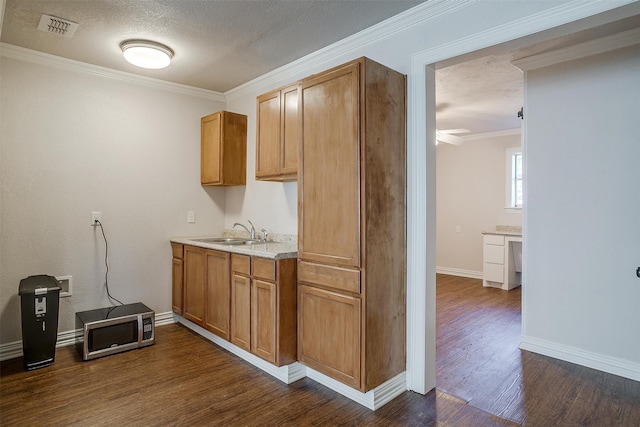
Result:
{"points": [[506, 230], [504, 233], [272, 250]]}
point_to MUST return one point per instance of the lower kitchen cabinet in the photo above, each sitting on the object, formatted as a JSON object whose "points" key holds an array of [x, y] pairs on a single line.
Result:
{"points": [[263, 307], [194, 284], [241, 310], [177, 271], [205, 289], [329, 333], [217, 293], [248, 301]]}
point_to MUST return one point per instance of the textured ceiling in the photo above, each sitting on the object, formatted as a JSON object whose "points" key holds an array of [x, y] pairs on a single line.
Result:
{"points": [[218, 44], [221, 44]]}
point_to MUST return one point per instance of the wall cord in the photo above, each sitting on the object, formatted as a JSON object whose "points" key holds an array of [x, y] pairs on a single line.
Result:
{"points": [[106, 264]]}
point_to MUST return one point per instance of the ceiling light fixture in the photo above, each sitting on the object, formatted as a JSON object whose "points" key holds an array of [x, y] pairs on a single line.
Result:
{"points": [[146, 54]]}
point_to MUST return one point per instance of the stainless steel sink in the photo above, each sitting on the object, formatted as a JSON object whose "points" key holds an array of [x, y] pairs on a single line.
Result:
{"points": [[244, 242], [223, 240], [229, 240]]}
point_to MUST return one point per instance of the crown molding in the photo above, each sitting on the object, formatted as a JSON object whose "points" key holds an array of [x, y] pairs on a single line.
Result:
{"points": [[40, 58], [582, 50], [417, 15]]}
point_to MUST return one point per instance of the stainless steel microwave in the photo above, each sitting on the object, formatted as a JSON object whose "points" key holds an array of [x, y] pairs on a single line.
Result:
{"points": [[111, 330]]}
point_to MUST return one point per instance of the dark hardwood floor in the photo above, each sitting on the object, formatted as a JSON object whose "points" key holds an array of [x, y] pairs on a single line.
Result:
{"points": [[478, 361], [184, 380]]}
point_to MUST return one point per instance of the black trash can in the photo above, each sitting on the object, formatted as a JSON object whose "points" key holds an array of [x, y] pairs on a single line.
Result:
{"points": [[39, 298]]}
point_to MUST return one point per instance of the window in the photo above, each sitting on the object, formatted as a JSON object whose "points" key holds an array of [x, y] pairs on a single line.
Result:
{"points": [[514, 177]]}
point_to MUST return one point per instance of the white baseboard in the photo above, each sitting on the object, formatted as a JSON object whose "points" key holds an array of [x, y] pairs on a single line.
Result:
{"points": [[472, 274], [373, 399], [612, 365], [13, 350], [287, 374]]}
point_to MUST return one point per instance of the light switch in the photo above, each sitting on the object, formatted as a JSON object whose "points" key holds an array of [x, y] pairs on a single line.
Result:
{"points": [[191, 217]]}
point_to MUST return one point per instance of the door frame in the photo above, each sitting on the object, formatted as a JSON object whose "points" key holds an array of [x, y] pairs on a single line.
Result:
{"points": [[421, 156]]}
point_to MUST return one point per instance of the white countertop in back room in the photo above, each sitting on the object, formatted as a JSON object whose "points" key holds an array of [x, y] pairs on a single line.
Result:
{"points": [[506, 230], [288, 248]]}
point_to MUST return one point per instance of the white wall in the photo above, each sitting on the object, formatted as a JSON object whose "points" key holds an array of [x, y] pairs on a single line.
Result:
{"points": [[582, 225], [470, 187], [73, 143]]}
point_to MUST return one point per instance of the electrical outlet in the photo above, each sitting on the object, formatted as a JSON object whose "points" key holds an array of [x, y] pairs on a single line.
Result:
{"points": [[191, 217], [95, 216], [458, 229]]}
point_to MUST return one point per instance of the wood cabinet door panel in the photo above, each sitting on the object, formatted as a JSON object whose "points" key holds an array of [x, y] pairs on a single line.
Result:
{"points": [[241, 264], [263, 320], [268, 135], [264, 268], [329, 333], [329, 189], [217, 296], [241, 312], [290, 131], [211, 149], [327, 275], [176, 285], [194, 284]]}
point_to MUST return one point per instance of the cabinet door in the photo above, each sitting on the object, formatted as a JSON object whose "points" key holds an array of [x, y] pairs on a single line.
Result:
{"points": [[194, 284], [329, 333], [263, 320], [217, 297], [290, 141], [211, 152], [176, 285], [329, 176], [268, 135], [241, 311]]}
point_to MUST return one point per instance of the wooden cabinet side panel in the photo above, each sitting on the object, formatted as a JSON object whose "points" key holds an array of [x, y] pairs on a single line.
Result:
{"points": [[263, 319], [241, 311], [329, 176], [217, 295], [234, 148], [210, 149], [290, 131], [176, 285], [384, 175], [194, 284], [268, 135], [287, 314], [329, 334]]}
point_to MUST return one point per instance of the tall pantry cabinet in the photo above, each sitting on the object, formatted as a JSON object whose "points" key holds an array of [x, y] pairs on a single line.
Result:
{"points": [[351, 224]]}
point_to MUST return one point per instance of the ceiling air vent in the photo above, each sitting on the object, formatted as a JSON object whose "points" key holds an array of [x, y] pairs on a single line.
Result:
{"points": [[55, 25]]}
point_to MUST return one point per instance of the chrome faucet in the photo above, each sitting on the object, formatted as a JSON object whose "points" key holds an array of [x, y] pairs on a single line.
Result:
{"points": [[251, 232]]}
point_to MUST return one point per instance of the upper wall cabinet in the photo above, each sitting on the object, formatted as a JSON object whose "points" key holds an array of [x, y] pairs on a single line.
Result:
{"points": [[277, 135], [223, 149]]}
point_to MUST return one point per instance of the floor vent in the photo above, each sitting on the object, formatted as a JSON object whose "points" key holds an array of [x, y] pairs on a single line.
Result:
{"points": [[55, 25]]}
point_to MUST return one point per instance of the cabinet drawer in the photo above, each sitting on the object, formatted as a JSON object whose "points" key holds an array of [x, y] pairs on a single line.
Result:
{"points": [[264, 268], [493, 254], [241, 264], [333, 277], [176, 249], [493, 272], [493, 239]]}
